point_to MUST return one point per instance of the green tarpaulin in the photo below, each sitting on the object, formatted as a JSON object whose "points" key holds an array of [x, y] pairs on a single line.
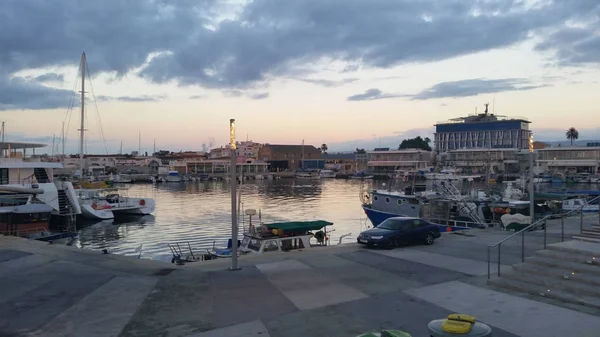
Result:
{"points": [[300, 225]]}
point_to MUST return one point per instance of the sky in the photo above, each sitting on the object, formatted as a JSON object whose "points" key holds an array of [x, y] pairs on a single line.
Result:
{"points": [[348, 73]]}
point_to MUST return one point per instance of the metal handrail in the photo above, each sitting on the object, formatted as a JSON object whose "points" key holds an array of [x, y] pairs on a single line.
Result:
{"points": [[534, 225]]}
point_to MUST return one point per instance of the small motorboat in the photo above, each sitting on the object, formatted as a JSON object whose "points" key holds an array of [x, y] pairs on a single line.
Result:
{"points": [[224, 252]]}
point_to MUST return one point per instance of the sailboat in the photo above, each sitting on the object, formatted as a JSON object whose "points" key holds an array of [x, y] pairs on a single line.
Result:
{"points": [[303, 173], [96, 198]]}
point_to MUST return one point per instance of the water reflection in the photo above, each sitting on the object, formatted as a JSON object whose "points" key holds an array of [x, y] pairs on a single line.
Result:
{"points": [[199, 212]]}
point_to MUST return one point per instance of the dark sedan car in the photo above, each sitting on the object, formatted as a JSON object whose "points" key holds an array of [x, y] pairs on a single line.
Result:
{"points": [[397, 231]]}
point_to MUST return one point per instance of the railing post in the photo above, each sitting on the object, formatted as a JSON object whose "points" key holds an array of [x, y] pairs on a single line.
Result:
{"points": [[562, 229], [489, 262], [499, 258], [581, 220], [545, 226], [523, 246]]}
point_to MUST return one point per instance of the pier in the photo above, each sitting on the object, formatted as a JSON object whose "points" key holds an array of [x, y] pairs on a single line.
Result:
{"points": [[345, 290]]}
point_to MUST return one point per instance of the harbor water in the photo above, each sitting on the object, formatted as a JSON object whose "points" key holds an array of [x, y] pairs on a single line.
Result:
{"points": [[200, 213]]}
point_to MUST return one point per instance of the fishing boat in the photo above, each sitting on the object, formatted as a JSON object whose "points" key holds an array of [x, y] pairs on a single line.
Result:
{"points": [[285, 236], [579, 203], [223, 252]]}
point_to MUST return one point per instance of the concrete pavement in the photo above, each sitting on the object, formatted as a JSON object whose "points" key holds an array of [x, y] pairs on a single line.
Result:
{"points": [[335, 291]]}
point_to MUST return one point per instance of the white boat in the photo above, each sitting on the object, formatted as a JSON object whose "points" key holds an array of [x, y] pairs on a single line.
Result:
{"points": [[259, 177], [120, 178], [327, 174], [285, 236], [579, 203], [307, 175], [104, 204], [20, 176], [173, 177]]}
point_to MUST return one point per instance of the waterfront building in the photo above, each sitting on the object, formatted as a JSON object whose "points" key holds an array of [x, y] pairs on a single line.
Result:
{"points": [[248, 149], [569, 159], [384, 160], [289, 157], [217, 166], [478, 161], [482, 131]]}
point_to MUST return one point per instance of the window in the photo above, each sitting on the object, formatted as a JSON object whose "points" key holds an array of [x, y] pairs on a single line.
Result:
{"points": [[393, 224], [375, 198], [271, 246], [417, 223], [4, 176], [387, 200], [400, 202], [254, 244]]}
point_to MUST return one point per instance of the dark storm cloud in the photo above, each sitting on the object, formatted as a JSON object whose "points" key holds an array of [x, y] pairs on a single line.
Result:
{"points": [[184, 41], [18, 93], [371, 95], [473, 87]]}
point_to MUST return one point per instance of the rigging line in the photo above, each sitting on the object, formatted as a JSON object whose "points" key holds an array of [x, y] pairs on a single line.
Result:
{"points": [[69, 111], [97, 111]]}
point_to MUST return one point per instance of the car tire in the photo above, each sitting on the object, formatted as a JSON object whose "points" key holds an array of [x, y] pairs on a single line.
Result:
{"points": [[429, 239], [391, 244]]}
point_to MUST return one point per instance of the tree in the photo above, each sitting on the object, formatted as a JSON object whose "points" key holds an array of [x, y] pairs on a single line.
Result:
{"points": [[572, 134], [360, 151], [415, 143], [324, 148]]}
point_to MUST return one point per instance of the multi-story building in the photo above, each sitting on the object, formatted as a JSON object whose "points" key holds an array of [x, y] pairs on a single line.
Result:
{"points": [[487, 131], [288, 157], [219, 153], [384, 160], [248, 149], [569, 159], [474, 161], [343, 162]]}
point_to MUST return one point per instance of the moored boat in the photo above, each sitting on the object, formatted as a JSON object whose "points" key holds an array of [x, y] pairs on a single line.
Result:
{"points": [[327, 174]]}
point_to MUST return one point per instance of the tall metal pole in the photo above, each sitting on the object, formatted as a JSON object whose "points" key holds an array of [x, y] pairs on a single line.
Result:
{"points": [[81, 127], [232, 169], [531, 177], [63, 139]]}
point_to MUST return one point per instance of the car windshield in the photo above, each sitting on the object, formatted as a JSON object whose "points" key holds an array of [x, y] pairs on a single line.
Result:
{"points": [[392, 224]]}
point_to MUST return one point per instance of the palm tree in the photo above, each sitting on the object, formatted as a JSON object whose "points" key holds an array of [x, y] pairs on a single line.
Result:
{"points": [[324, 148], [572, 134]]}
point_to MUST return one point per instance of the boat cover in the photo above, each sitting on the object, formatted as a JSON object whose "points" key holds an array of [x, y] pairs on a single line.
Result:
{"points": [[33, 208], [300, 225]]}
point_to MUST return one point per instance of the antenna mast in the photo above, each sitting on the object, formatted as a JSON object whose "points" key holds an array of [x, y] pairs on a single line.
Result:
{"points": [[139, 144], [63, 139]]}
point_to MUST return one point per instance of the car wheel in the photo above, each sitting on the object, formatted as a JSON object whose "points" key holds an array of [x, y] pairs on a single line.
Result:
{"points": [[391, 244], [429, 239]]}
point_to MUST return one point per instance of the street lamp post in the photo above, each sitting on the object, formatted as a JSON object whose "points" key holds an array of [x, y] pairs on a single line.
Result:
{"points": [[531, 177], [232, 171]]}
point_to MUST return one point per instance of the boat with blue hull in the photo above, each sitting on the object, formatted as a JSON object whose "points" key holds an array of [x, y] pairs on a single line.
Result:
{"points": [[380, 205]]}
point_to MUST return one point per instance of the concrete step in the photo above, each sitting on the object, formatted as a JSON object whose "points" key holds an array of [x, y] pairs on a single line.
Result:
{"points": [[566, 265], [569, 285], [587, 238], [557, 273], [576, 247], [596, 227], [580, 257], [591, 232], [537, 290]]}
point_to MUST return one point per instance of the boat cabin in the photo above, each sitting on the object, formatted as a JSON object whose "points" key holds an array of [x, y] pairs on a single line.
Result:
{"points": [[285, 236], [18, 171], [23, 220], [398, 203]]}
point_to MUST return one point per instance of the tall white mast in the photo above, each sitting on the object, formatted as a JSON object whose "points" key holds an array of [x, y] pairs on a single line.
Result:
{"points": [[139, 144], [154, 148], [82, 130], [121, 148], [53, 144]]}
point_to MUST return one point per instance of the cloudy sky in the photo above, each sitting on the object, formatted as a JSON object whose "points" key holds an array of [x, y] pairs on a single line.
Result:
{"points": [[349, 73]]}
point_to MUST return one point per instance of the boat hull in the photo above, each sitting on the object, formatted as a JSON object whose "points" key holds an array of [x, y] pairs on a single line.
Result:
{"points": [[148, 207], [89, 212], [377, 217]]}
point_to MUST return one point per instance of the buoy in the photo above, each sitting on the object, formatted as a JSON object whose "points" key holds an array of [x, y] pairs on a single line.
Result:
{"points": [[142, 202], [449, 229]]}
